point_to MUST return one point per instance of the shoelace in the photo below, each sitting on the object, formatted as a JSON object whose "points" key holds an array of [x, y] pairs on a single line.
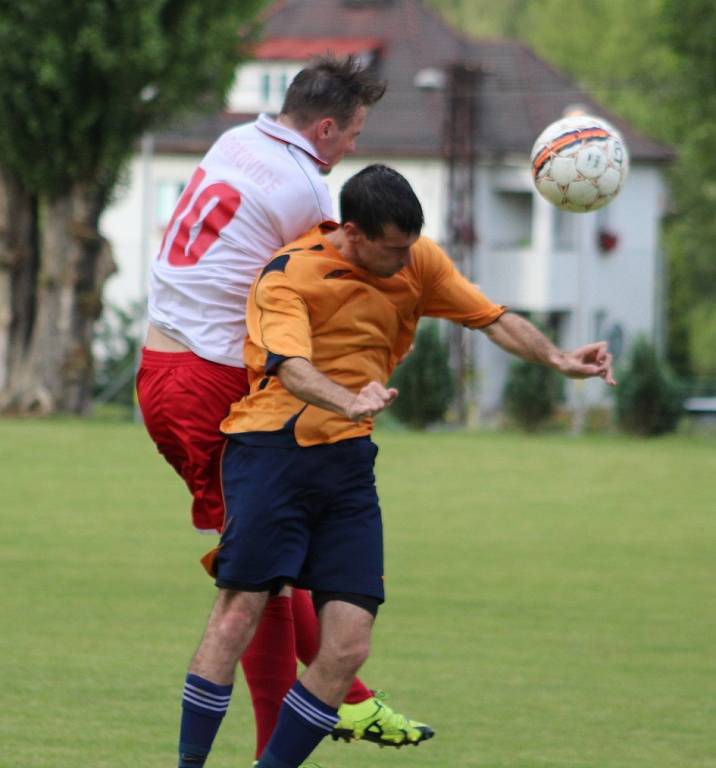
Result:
{"points": [[389, 714]]}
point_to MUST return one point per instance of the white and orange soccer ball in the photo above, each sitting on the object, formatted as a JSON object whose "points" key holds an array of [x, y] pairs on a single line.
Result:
{"points": [[579, 163]]}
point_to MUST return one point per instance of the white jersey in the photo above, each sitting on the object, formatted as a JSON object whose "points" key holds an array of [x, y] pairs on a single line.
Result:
{"points": [[257, 188]]}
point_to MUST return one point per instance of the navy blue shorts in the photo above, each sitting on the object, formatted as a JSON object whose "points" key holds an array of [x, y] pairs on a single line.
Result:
{"points": [[303, 516]]}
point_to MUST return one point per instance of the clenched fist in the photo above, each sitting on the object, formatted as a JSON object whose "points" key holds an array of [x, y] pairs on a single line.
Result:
{"points": [[372, 399]]}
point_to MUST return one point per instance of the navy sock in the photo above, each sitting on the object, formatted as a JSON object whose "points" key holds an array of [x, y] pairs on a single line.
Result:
{"points": [[302, 722], [204, 705]]}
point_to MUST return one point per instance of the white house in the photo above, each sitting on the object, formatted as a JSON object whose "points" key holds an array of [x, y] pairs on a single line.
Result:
{"points": [[588, 275]]}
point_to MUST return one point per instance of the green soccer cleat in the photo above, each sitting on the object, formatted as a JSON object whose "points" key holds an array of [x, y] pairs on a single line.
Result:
{"points": [[373, 720]]}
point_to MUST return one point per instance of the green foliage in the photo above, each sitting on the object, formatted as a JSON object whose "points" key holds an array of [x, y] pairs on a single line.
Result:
{"points": [[613, 49], [702, 339], [424, 380], [690, 28], [532, 391], [81, 80], [531, 394], [616, 51], [117, 339], [648, 399], [484, 18]]}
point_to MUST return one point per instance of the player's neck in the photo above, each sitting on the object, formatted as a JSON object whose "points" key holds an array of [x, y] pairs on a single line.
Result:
{"points": [[337, 239], [345, 249], [287, 122]]}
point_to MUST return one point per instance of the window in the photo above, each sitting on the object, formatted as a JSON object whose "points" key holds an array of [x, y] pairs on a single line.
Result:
{"points": [[168, 192], [565, 230], [266, 87], [273, 82], [600, 323], [609, 330], [282, 84], [512, 221]]}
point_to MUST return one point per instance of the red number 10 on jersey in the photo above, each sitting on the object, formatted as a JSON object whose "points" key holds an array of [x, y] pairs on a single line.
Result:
{"points": [[212, 210]]}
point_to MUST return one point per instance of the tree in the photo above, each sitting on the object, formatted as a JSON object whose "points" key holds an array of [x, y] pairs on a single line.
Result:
{"points": [[483, 17], [118, 336], [648, 400], [424, 380], [616, 51], [690, 30], [531, 394], [80, 82], [702, 338]]}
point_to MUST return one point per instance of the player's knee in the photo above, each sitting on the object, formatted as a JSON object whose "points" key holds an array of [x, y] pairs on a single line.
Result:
{"points": [[350, 655], [235, 615]]}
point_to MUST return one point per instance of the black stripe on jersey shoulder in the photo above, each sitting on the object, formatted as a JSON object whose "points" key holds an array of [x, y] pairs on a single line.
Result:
{"points": [[317, 247], [276, 265], [273, 363], [336, 274]]}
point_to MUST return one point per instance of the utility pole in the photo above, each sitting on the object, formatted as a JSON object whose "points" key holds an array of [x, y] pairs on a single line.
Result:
{"points": [[459, 151]]}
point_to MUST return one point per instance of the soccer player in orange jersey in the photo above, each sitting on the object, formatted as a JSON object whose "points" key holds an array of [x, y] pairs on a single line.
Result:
{"points": [[328, 319]]}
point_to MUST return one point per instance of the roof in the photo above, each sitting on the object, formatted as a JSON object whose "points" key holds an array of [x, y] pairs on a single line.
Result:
{"points": [[518, 93], [302, 48], [194, 135]]}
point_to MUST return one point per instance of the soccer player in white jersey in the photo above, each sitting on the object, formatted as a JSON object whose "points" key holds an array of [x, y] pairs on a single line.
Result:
{"points": [[258, 188]]}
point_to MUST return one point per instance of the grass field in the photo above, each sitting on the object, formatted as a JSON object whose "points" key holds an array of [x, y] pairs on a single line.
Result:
{"points": [[551, 602]]}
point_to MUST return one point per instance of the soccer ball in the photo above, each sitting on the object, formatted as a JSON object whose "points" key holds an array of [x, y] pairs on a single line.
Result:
{"points": [[579, 163]]}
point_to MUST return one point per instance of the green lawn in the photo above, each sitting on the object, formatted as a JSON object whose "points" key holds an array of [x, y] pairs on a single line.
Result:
{"points": [[551, 602]]}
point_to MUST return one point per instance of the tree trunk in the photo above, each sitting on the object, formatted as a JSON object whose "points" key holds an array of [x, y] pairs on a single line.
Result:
{"points": [[56, 371], [18, 278]]}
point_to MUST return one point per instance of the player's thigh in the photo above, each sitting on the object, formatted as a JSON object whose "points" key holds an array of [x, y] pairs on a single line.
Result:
{"points": [[183, 406], [267, 527], [346, 552]]}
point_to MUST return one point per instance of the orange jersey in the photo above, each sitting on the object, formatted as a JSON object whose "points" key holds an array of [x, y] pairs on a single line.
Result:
{"points": [[351, 325]]}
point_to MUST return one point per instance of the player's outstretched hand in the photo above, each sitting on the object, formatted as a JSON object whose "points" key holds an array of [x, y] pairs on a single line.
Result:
{"points": [[372, 399], [589, 361]]}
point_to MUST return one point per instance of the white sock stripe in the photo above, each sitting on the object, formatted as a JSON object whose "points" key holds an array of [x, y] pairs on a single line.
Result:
{"points": [[313, 707], [204, 704], [213, 697], [309, 712], [305, 715], [333, 719]]}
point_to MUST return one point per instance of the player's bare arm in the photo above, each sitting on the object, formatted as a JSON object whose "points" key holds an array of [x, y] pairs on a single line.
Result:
{"points": [[307, 383], [521, 338]]}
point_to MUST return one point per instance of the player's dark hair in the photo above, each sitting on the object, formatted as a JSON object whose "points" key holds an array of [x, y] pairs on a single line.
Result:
{"points": [[377, 196], [331, 87]]}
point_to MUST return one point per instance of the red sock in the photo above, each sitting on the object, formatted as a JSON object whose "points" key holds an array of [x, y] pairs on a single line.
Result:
{"points": [[269, 665], [307, 631]]}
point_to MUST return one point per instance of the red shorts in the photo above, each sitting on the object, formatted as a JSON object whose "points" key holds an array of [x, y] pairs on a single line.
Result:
{"points": [[183, 400]]}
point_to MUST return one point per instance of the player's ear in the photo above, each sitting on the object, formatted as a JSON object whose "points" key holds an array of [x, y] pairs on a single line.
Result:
{"points": [[352, 231], [325, 127]]}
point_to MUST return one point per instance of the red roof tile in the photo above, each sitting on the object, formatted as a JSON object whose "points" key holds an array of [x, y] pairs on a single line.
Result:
{"points": [[302, 49]]}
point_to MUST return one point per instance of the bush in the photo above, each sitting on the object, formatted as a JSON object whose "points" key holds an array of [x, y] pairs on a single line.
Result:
{"points": [[702, 340], [424, 380], [116, 345], [531, 394], [648, 399]]}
